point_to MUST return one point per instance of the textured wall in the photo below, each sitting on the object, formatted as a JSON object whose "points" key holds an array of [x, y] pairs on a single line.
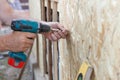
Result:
{"points": [[95, 37]]}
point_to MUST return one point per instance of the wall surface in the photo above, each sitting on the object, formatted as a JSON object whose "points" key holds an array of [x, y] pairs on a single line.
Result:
{"points": [[94, 37]]}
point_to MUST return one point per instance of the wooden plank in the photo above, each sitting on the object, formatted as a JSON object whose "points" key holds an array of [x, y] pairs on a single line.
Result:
{"points": [[43, 14], [48, 10], [49, 43], [43, 10], [55, 44], [50, 61]]}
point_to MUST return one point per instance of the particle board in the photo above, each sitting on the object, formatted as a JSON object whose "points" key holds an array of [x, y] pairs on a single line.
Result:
{"points": [[94, 37]]}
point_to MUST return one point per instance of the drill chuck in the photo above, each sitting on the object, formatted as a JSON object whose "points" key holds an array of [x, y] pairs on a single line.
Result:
{"points": [[44, 28]]}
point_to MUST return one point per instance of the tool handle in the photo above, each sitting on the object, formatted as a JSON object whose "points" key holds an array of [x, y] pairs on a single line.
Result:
{"points": [[17, 59]]}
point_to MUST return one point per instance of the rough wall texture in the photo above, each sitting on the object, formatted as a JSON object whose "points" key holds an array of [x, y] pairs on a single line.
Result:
{"points": [[94, 37]]}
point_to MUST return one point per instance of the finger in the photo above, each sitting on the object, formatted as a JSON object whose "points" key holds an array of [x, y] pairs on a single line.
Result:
{"points": [[61, 34], [24, 48], [29, 41], [27, 46], [65, 32], [57, 35], [50, 38], [31, 35], [61, 27], [53, 37]]}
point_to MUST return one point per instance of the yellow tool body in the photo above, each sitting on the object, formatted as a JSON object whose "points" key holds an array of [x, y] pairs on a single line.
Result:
{"points": [[85, 72]]}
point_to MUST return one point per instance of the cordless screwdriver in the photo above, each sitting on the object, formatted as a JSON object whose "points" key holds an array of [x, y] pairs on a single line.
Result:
{"points": [[18, 59]]}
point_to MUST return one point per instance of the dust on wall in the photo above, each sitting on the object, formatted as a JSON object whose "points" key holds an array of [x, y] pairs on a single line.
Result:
{"points": [[94, 37]]}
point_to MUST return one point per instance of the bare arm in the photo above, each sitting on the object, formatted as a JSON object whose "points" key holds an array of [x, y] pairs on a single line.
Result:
{"points": [[7, 13], [2, 46], [0, 24]]}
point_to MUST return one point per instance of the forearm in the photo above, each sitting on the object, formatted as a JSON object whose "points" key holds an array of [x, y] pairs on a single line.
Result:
{"points": [[15, 15], [3, 46], [0, 24], [7, 13]]}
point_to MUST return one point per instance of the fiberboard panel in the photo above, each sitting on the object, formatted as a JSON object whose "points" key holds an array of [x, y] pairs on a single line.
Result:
{"points": [[94, 37]]}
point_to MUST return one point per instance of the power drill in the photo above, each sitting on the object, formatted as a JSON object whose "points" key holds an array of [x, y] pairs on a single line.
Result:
{"points": [[18, 59]]}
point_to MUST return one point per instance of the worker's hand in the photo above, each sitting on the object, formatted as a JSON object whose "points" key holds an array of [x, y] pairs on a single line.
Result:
{"points": [[56, 35], [0, 25], [19, 41]]}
